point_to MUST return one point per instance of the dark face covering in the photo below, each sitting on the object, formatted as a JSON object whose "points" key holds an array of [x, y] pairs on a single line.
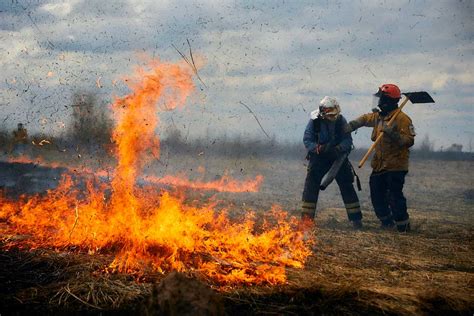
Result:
{"points": [[387, 105]]}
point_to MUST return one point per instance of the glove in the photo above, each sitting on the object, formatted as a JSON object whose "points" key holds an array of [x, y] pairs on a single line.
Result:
{"points": [[350, 127], [337, 150], [391, 131], [322, 149]]}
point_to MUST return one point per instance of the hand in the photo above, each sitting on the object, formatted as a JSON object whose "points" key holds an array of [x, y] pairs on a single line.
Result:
{"points": [[322, 149], [349, 127], [317, 149], [390, 131], [337, 150]]}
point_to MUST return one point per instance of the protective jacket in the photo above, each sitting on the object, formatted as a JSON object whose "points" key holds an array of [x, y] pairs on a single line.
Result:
{"points": [[324, 132], [391, 154], [331, 135]]}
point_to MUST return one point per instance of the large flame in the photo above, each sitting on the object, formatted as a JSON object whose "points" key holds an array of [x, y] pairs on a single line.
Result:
{"points": [[147, 228]]}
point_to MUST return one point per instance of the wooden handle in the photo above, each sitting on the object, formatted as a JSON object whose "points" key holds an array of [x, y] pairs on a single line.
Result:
{"points": [[379, 138]]}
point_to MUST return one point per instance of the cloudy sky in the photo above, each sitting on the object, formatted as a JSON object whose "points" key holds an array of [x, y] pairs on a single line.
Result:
{"points": [[278, 57]]}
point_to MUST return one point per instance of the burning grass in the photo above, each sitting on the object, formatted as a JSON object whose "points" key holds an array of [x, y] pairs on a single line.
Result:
{"points": [[151, 229], [164, 235], [428, 271], [101, 247]]}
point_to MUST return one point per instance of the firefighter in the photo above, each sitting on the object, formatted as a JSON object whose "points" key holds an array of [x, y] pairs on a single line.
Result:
{"points": [[325, 140], [390, 161], [20, 140]]}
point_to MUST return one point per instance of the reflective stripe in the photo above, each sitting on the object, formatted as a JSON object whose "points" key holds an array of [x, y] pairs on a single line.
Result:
{"points": [[400, 223], [352, 205], [353, 210], [309, 205]]}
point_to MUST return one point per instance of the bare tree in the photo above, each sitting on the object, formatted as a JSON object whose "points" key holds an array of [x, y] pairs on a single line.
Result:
{"points": [[427, 145], [91, 124], [455, 148]]}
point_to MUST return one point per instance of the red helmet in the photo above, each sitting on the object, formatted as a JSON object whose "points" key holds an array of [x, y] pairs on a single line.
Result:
{"points": [[389, 90]]}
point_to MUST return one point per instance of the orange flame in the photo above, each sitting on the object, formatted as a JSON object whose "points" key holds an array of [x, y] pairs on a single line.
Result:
{"points": [[150, 229], [37, 160], [224, 184]]}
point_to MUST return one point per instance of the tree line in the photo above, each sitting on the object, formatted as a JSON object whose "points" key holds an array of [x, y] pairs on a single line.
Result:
{"points": [[90, 128]]}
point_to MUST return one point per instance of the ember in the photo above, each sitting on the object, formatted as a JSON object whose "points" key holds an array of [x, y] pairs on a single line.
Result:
{"points": [[150, 229]]}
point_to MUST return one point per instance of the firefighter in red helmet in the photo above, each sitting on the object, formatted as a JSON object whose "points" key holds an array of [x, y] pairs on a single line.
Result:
{"points": [[390, 161]]}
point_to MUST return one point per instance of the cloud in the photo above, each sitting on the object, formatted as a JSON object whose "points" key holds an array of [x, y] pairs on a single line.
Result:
{"points": [[59, 9], [280, 58]]}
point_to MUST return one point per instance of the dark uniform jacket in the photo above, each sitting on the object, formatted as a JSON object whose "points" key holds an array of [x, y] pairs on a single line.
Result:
{"points": [[324, 132], [390, 154]]}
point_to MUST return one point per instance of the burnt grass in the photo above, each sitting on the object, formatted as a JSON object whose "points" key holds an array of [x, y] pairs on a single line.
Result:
{"points": [[428, 271]]}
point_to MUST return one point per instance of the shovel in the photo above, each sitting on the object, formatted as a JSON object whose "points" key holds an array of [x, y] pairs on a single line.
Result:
{"points": [[331, 174], [413, 97]]}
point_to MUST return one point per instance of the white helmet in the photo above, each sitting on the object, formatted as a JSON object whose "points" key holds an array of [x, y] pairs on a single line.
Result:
{"points": [[328, 109]]}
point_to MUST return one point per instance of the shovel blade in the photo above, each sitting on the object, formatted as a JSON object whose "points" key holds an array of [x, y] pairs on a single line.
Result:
{"points": [[419, 97]]}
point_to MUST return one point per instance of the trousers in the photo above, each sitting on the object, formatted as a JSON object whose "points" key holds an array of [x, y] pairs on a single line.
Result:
{"points": [[386, 193], [318, 166]]}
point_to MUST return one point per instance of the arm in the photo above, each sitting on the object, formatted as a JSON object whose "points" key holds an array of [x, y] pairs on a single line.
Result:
{"points": [[403, 132], [345, 145], [309, 139], [368, 120]]}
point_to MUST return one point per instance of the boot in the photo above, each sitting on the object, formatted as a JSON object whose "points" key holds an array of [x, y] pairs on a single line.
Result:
{"points": [[357, 224], [405, 228], [387, 224]]}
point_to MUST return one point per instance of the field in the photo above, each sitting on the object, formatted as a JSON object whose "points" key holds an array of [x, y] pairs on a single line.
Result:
{"points": [[427, 271]]}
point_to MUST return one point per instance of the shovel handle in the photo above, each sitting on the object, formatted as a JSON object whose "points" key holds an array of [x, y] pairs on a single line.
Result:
{"points": [[379, 138]]}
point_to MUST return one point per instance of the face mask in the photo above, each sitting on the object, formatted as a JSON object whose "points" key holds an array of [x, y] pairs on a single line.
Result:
{"points": [[331, 117], [330, 114], [386, 104]]}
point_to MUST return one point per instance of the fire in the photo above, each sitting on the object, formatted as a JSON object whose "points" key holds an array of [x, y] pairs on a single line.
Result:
{"points": [[224, 184], [150, 229], [37, 160], [41, 143]]}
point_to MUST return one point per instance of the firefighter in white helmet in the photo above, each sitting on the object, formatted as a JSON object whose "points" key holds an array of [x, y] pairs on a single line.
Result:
{"points": [[326, 141]]}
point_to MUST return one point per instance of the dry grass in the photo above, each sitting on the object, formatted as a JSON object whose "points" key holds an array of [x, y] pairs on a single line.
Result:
{"points": [[375, 271], [427, 271]]}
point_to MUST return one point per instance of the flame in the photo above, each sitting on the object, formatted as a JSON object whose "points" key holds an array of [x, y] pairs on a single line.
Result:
{"points": [[41, 143], [98, 83], [224, 184], [150, 229], [37, 161]]}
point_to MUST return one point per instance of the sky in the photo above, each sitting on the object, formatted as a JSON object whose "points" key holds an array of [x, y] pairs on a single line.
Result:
{"points": [[279, 58]]}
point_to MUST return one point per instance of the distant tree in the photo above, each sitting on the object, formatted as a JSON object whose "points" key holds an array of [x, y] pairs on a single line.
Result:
{"points": [[427, 145], [455, 148], [5, 139], [90, 122], [174, 136]]}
